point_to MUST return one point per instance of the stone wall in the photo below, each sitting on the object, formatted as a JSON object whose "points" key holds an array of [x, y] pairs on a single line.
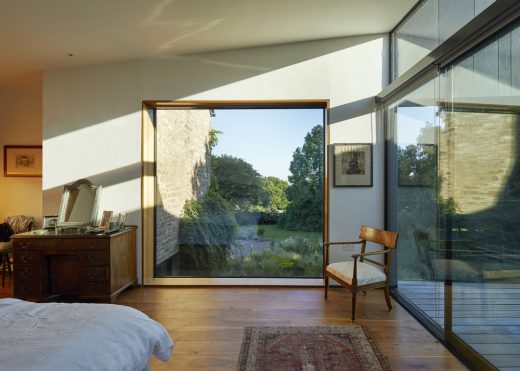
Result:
{"points": [[477, 153], [183, 171]]}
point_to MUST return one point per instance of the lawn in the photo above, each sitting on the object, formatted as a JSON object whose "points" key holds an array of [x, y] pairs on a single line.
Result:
{"points": [[275, 232]]}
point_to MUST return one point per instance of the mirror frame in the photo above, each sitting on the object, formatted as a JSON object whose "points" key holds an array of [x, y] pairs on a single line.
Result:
{"points": [[65, 198]]}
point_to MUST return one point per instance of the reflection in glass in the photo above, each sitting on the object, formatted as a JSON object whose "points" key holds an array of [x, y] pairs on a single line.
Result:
{"points": [[458, 200]]}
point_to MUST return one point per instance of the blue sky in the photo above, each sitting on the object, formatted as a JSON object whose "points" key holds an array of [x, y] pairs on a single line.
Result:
{"points": [[266, 138]]}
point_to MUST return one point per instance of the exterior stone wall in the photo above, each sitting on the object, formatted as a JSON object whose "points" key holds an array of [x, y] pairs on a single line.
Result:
{"points": [[183, 171], [477, 153]]}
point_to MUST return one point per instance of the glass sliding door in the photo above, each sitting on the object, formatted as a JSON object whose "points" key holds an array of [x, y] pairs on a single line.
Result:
{"points": [[414, 128], [454, 152], [239, 192]]}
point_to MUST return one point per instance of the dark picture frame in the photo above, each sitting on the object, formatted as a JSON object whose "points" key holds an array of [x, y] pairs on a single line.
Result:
{"points": [[50, 221], [353, 164], [22, 161]]}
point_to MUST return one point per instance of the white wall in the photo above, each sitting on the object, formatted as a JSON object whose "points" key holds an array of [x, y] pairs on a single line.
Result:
{"points": [[92, 115], [21, 124]]}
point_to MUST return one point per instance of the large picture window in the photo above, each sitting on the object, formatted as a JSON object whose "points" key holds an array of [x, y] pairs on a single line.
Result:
{"points": [[239, 192]]}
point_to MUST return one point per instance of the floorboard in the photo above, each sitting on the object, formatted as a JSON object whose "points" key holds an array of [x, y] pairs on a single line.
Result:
{"points": [[207, 324]]}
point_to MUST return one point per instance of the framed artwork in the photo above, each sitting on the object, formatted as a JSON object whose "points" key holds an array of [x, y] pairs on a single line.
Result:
{"points": [[23, 161], [352, 165], [49, 221], [105, 219]]}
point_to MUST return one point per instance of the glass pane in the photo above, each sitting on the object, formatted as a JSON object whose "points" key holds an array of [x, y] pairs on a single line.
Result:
{"points": [[432, 23], [416, 37], [239, 193], [457, 192], [416, 138], [480, 135]]}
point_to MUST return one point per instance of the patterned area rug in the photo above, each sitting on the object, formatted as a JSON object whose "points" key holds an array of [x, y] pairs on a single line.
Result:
{"points": [[310, 348]]}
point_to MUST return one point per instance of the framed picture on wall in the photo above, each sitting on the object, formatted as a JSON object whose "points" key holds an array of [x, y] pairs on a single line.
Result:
{"points": [[352, 164], [23, 161]]}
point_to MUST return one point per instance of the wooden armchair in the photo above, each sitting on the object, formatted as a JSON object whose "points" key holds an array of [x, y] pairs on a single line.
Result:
{"points": [[366, 273]]}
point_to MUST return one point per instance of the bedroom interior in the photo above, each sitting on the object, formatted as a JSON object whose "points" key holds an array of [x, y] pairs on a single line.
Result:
{"points": [[413, 122]]}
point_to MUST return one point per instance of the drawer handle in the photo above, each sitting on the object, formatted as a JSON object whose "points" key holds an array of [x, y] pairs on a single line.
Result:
{"points": [[26, 258], [26, 289], [25, 245], [25, 274], [92, 244], [93, 274], [92, 258]]}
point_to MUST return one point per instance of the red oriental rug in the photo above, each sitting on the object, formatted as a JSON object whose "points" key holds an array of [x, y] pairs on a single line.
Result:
{"points": [[310, 348]]}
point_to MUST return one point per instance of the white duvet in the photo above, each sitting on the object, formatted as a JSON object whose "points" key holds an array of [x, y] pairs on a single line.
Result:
{"points": [[57, 336]]}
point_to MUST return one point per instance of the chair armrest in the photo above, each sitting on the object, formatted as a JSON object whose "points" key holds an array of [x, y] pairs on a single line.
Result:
{"points": [[342, 243], [326, 246], [355, 256]]}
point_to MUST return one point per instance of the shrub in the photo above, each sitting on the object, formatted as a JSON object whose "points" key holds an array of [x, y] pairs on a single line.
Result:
{"points": [[207, 230]]}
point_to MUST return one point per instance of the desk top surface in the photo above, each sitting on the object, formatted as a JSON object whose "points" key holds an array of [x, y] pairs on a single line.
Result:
{"points": [[69, 233]]}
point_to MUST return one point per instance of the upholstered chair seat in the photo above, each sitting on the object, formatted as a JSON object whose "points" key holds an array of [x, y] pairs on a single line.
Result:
{"points": [[366, 273]]}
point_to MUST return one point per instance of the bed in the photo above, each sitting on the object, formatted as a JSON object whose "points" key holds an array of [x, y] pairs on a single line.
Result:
{"points": [[59, 336]]}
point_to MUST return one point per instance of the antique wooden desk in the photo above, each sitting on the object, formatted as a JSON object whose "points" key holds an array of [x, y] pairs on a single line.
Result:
{"points": [[72, 265]]}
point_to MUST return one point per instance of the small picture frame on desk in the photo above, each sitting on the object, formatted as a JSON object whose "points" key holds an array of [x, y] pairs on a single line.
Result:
{"points": [[121, 220], [49, 221], [105, 219]]}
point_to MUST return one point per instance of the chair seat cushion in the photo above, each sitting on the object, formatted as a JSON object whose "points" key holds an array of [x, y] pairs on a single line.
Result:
{"points": [[366, 273], [6, 247]]}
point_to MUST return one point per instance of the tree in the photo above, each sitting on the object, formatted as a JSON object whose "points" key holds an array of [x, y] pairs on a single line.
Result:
{"points": [[305, 192], [237, 181], [275, 192]]}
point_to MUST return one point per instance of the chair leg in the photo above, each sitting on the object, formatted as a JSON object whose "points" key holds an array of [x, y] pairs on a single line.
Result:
{"points": [[4, 267], [353, 306], [326, 286], [387, 297]]}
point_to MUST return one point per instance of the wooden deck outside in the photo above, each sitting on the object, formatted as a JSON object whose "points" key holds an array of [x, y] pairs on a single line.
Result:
{"points": [[484, 315], [207, 324]]}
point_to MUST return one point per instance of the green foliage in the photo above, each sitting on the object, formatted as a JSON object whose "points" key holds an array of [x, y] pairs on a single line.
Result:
{"points": [[207, 230], [290, 258], [237, 181], [447, 206], [275, 191], [417, 165], [305, 194], [213, 138]]}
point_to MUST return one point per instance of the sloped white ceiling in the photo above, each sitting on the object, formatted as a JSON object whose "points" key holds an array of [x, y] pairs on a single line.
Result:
{"points": [[38, 35]]}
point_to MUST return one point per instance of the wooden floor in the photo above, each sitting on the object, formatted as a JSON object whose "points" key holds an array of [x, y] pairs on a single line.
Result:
{"points": [[207, 323]]}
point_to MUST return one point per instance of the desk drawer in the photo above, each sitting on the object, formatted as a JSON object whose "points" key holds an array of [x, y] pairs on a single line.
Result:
{"points": [[26, 257], [95, 257], [94, 274], [86, 243], [95, 288], [27, 289], [25, 273], [30, 244]]}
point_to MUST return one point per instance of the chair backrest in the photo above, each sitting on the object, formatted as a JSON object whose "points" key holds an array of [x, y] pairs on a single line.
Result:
{"points": [[385, 238]]}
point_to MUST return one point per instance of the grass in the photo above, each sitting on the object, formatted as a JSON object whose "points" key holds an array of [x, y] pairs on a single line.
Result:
{"points": [[275, 232]]}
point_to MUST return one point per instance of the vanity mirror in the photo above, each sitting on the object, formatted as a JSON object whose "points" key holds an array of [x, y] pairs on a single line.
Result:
{"points": [[79, 204]]}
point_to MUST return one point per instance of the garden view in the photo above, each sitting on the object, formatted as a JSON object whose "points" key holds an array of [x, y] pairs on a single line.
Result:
{"points": [[254, 225]]}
